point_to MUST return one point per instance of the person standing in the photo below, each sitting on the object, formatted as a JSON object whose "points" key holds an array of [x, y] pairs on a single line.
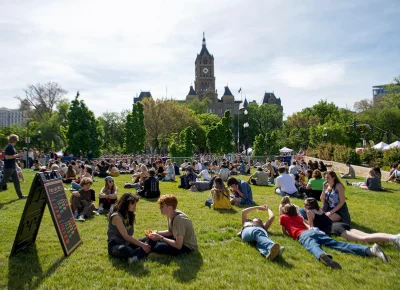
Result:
{"points": [[10, 165]]}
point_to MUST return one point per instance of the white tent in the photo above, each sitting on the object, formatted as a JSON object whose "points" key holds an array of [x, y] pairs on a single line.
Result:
{"points": [[393, 145], [285, 150], [380, 146]]}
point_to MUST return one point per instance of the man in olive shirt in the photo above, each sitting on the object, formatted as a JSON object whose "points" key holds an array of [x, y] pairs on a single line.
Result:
{"points": [[10, 156], [180, 237], [259, 177], [350, 174]]}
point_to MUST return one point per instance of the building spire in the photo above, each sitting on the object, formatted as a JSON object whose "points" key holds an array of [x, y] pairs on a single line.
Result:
{"points": [[204, 39]]}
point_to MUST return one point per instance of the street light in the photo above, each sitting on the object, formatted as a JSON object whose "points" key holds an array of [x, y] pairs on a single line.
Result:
{"points": [[39, 135], [325, 134], [245, 126]]}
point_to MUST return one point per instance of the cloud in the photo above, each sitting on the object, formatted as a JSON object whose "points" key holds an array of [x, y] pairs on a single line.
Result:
{"points": [[307, 76]]}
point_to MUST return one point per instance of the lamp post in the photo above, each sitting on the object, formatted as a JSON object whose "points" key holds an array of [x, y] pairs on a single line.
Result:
{"points": [[245, 126], [325, 134], [39, 136]]}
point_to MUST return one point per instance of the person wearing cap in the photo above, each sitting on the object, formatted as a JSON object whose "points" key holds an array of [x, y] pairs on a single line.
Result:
{"points": [[260, 177], [108, 195]]}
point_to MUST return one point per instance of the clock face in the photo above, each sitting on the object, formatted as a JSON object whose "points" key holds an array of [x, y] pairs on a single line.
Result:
{"points": [[205, 70]]}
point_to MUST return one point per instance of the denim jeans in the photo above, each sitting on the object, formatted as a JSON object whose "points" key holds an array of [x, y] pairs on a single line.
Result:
{"points": [[260, 236], [11, 172], [312, 240], [76, 186]]}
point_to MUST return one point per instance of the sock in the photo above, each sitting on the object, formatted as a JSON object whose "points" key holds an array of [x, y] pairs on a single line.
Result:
{"points": [[76, 214], [111, 208], [393, 238]]}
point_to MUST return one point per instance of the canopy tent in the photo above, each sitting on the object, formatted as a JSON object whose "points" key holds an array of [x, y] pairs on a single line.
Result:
{"points": [[380, 146], [393, 145], [285, 150]]}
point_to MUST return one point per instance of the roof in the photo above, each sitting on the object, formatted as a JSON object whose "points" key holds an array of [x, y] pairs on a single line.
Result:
{"points": [[192, 92], [204, 49], [268, 95], [227, 92], [142, 96], [245, 104]]}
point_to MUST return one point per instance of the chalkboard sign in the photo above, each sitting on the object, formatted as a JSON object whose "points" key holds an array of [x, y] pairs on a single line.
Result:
{"points": [[47, 187]]}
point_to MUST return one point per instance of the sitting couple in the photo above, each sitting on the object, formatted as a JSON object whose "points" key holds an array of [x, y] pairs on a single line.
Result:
{"points": [[179, 238]]}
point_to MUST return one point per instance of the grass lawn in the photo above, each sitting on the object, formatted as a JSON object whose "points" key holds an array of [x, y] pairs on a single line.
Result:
{"points": [[223, 260]]}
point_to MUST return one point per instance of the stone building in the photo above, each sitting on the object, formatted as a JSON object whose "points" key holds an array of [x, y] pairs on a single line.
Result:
{"points": [[204, 85], [9, 117]]}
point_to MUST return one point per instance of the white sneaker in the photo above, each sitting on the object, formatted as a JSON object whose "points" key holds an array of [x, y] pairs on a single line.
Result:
{"points": [[81, 218], [397, 242], [132, 259], [378, 252]]}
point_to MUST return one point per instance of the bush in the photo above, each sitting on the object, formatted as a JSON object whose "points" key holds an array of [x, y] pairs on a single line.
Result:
{"points": [[391, 156], [372, 157]]}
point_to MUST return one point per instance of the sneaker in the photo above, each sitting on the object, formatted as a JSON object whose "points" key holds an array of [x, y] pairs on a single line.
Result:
{"points": [[273, 252], [281, 250], [378, 252], [397, 242], [100, 211], [132, 259], [348, 183], [81, 218], [23, 197], [329, 262]]}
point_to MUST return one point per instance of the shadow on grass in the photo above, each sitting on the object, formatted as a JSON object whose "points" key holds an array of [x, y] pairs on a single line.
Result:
{"points": [[8, 202], [136, 269], [189, 265], [280, 261], [362, 228], [226, 211], [25, 271]]}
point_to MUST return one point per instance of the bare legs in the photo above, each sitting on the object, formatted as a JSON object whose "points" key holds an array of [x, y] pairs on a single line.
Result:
{"points": [[359, 236]]}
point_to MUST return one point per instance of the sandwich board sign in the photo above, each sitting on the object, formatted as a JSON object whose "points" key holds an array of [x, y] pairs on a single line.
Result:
{"points": [[47, 188]]}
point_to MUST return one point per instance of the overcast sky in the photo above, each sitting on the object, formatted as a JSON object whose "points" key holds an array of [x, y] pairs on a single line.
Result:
{"points": [[110, 51]]}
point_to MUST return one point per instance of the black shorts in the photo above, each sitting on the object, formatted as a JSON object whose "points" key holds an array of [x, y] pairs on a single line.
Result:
{"points": [[338, 228]]}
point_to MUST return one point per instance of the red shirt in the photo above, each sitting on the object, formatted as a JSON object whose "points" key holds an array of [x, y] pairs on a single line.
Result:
{"points": [[294, 225]]}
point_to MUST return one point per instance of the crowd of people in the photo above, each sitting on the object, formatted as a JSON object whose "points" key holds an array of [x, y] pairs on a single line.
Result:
{"points": [[312, 225]]}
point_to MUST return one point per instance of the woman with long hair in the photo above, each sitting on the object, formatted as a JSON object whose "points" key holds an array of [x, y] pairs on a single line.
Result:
{"points": [[317, 218], [334, 199], [220, 198], [108, 195], [121, 243], [169, 171], [70, 175], [315, 185]]}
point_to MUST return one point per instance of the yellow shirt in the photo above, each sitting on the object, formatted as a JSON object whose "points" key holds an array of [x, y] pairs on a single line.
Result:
{"points": [[223, 202]]}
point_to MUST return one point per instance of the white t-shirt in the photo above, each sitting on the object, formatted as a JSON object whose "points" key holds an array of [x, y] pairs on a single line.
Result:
{"points": [[286, 183], [205, 174]]}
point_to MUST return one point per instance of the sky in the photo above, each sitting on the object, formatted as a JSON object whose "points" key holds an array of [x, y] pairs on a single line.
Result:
{"points": [[110, 51]]}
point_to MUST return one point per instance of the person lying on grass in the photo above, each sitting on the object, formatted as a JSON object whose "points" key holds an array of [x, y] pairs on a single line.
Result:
{"points": [[255, 230], [121, 243], [312, 239], [82, 200], [317, 218], [180, 238]]}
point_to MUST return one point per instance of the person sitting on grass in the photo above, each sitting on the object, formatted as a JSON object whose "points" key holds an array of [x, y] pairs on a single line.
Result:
{"points": [[284, 201], [315, 185], [180, 237], [113, 170], [395, 175], [86, 173], [121, 243], [317, 218], [242, 191], [224, 172], [372, 182], [350, 172], [220, 198], [312, 239], [102, 168], [188, 178], [108, 195], [151, 187], [334, 199], [169, 171], [70, 175], [259, 177], [285, 184], [256, 231], [82, 200], [204, 173]]}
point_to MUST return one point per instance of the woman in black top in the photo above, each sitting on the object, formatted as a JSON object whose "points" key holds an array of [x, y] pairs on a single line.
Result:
{"points": [[317, 218], [121, 244]]}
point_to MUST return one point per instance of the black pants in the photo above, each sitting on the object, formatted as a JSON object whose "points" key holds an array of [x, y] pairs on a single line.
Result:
{"points": [[164, 248], [123, 251], [11, 172]]}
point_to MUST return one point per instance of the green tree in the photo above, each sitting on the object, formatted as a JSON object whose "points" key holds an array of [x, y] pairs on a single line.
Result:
{"points": [[84, 131], [260, 145], [113, 125]]}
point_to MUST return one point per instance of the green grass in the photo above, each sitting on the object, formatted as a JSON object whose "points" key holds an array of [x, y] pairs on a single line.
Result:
{"points": [[223, 260]]}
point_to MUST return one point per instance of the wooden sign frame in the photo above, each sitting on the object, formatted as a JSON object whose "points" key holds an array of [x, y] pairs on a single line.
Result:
{"points": [[47, 188]]}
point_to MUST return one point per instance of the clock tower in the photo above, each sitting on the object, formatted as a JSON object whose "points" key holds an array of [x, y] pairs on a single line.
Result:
{"points": [[204, 73]]}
